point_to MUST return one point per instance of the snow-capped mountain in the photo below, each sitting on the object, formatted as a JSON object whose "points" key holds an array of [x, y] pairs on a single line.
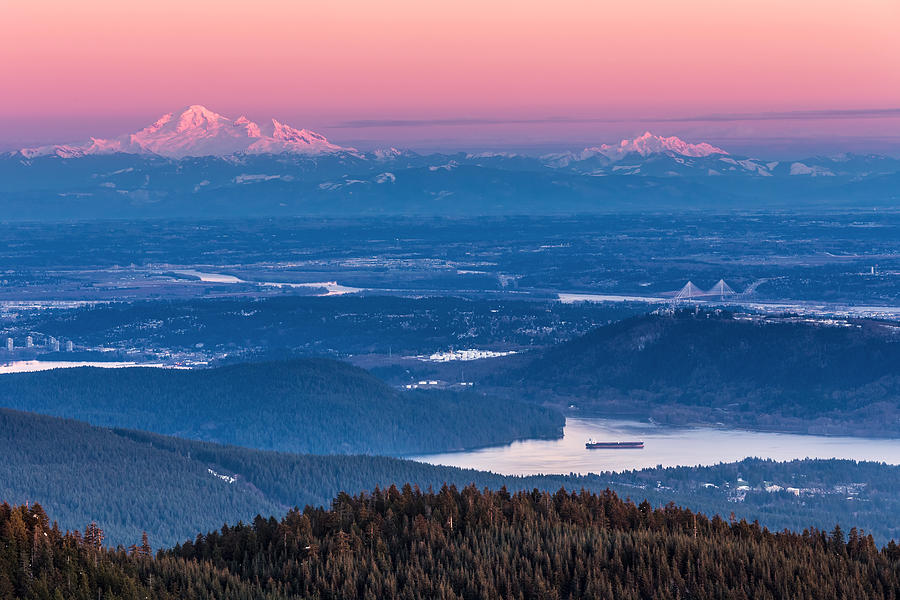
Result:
{"points": [[198, 131], [648, 144], [642, 146], [244, 170], [197, 151]]}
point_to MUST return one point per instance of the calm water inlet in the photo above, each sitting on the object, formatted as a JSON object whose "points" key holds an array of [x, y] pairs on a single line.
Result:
{"points": [[663, 446]]}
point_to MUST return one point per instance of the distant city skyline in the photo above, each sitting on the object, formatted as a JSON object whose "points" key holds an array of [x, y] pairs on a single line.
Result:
{"points": [[761, 78]]}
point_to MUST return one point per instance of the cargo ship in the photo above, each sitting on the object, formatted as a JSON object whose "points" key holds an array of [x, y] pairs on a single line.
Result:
{"points": [[592, 445]]}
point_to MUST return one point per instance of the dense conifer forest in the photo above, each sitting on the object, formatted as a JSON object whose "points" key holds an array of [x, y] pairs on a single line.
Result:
{"points": [[403, 543], [316, 406], [708, 366], [131, 481]]}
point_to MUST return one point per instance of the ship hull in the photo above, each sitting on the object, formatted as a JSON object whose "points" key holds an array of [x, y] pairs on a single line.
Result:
{"points": [[614, 445]]}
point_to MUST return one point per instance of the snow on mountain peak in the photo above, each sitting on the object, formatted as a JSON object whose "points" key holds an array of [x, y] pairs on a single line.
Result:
{"points": [[648, 144], [198, 131], [196, 116], [281, 131], [280, 137], [644, 145]]}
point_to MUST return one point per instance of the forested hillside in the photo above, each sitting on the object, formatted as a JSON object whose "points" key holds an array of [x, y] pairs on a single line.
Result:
{"points": [[397, 543], [772, 374], [130, 481], [316, 406]]}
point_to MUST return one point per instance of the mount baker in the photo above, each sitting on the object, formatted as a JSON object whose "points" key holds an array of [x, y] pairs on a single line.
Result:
{"points": [[198, 131]]}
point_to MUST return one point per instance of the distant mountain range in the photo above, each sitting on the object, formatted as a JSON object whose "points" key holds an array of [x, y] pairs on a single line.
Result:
{"points": [[198, 131], [199, 163]]}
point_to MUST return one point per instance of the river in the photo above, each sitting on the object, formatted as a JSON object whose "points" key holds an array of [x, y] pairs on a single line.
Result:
{"points": [[332, 288], [29, 366], [663, 446]]}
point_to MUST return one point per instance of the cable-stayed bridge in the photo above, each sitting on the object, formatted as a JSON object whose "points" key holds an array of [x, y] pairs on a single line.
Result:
{"points": [[691, 292], [724, 293]]}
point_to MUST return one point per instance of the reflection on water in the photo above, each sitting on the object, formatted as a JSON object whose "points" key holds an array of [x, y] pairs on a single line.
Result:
{"points": [[332, 288], [28, 366], [663, 446], [210, 277]]}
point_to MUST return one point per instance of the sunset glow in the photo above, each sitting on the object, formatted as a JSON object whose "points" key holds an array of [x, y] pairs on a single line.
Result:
{"points": [[117, 64]]}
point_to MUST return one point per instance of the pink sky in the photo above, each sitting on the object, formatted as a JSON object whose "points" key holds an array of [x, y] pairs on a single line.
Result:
{"points": [[103, 67]]}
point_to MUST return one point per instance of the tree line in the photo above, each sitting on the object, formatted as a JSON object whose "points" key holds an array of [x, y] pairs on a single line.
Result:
{"points": [[131, 481], [709, 366], [315, 406], [454, 543]]}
